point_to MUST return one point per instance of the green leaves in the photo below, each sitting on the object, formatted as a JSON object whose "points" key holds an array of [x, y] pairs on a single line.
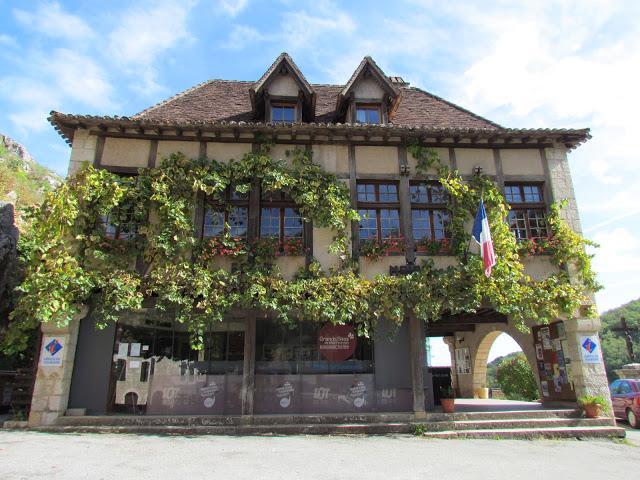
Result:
{"points": [[69, 261]]}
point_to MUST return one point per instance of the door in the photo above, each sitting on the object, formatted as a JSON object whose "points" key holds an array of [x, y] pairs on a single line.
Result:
{"points": [[625, 395]]}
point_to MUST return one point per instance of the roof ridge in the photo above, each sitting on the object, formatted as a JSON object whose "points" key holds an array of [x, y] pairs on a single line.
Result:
{"points": [[173, 97], [458, 107]]}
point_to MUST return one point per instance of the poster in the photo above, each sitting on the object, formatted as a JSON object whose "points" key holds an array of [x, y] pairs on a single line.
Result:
{"points": [[557, 345], [546, 338], [545, 388], [589, 348], [52, 351], [463, 361], [123, 350], [135, 350], [539, 353], [561, 331]]}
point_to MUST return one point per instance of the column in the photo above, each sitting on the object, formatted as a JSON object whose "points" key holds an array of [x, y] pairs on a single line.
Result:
{"points": [[416, 348], [53, 381]]}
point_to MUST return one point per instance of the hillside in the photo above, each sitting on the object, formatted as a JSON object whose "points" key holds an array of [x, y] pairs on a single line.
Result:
{"points": [[614, 347], [23, 182], [492, 368]]}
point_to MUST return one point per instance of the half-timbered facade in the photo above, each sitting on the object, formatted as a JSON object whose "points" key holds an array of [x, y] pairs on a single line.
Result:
{"points": [[358, 131]]}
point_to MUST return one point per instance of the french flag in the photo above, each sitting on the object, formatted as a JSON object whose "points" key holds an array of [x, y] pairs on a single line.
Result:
{"points": [[482, 235]]}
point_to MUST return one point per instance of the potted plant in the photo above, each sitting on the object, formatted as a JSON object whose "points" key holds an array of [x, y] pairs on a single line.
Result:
{"points": [[448, 399], [482, 392], [593, 405]]}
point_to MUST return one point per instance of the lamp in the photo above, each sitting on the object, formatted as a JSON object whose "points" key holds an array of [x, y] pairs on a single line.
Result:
{"points": [[477, 170]]}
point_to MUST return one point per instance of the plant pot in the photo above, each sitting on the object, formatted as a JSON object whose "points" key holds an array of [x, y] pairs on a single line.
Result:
{"points": [[448, 405], [591, 411], [482, 393]]}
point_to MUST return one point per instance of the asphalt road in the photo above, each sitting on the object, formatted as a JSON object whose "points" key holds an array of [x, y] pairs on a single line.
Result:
{"points": [[25, 455]]}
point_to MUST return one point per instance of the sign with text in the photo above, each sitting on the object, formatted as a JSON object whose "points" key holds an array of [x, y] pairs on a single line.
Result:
{"points": [[336, 342], [590, 348], [52, 351]]}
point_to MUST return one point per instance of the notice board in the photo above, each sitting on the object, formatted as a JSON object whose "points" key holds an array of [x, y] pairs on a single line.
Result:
{"points": [[553, 363]]}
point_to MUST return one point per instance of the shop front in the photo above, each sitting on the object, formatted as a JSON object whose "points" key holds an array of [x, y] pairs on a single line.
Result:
{"points": [[306, 368]]}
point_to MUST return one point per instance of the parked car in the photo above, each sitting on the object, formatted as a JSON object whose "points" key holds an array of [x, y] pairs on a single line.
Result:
{"points": [[625, 396]]}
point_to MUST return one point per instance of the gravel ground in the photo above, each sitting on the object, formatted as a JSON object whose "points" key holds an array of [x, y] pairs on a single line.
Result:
{"points": [[113, 456]]}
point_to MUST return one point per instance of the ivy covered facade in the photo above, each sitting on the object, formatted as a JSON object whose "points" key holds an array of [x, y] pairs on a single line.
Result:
{"points": [[273, 247]]}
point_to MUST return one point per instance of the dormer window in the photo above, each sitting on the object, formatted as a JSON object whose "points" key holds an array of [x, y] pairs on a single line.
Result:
{"points": [[368, 113], [283, 113]]}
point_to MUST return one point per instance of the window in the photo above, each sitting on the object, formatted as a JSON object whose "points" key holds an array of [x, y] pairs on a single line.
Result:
{"points": [[233, 211], [527, 218], [120, 224], [430, 218], [283, 113], [368, 114], [379, 209], [281, 221]]}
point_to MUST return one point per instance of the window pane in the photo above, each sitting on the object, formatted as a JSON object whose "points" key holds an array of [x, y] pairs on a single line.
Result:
{"points": [[390, 223], [512, 194], [366, 192], [373, 115], [368, 224], [421, 224], [537, 224], [532, 193], [440, 224], [518, 224], [438, 194], [292, 223], [418, 193], [367, 115], [270, 222], [213, 222], [283, 113], [238, 220], [388, 192], [235, 195]]}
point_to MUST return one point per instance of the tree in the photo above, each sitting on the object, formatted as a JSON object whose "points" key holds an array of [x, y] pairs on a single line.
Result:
{"points": [[614, 348], [516, 379]]}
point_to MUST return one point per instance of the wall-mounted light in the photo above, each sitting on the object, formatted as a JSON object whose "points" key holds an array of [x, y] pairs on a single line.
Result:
{"points": [[405, 169], [477, 170]]}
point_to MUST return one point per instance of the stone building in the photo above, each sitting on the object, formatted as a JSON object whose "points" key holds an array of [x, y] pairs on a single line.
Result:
{"points": [[359, 132]]}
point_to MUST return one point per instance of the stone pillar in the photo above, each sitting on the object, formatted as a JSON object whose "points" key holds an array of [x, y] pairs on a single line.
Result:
{"points": [[53, 383], [587, 378], [416, 348]]}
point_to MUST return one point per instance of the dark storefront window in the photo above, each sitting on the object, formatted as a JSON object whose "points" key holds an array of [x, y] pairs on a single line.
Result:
{"points": [[155, 370]]}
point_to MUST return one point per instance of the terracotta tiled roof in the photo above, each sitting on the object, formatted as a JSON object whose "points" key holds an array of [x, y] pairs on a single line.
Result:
{"points": [[224, 100]]}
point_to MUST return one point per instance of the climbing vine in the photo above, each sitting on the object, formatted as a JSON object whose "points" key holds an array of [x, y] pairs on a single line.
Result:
{"points": [[70, 261]]}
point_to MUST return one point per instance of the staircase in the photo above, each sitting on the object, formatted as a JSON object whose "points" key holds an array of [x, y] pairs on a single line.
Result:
{"points": [[561, 423]]}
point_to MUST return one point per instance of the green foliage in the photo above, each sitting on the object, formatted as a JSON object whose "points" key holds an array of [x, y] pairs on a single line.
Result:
{"points": [[614, 347], [69, 261], [593, 400], [516, 379], [492, 369]]}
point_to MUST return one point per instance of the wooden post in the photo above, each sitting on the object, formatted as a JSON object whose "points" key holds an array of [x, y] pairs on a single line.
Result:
{"points": [[405, 205], [249, 364], [416, 349], [353, 191]]}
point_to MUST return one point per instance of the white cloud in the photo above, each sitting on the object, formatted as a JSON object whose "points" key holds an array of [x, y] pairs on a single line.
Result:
{"points": [[619, 251], [301, 29], [49, 19], [242, 37], [59, 78], [232, 7], [8, 41], [143, 34]]}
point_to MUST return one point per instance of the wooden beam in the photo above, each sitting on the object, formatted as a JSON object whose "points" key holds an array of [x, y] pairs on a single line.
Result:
{"points": [[249, 365], [417, 352]]}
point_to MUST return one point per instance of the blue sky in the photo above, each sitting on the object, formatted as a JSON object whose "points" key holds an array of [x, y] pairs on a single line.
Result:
{"points": [[522, 64]]}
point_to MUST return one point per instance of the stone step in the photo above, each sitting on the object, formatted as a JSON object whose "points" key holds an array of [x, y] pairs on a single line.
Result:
{"points": [[206, 421], [532, 433], [584, 428]]}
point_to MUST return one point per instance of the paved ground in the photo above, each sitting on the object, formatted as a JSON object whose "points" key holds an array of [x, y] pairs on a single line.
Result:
{"points": [[111, 456]]}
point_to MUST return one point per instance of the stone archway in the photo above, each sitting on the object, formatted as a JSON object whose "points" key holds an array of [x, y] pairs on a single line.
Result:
{"points": [[479, 343]]}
